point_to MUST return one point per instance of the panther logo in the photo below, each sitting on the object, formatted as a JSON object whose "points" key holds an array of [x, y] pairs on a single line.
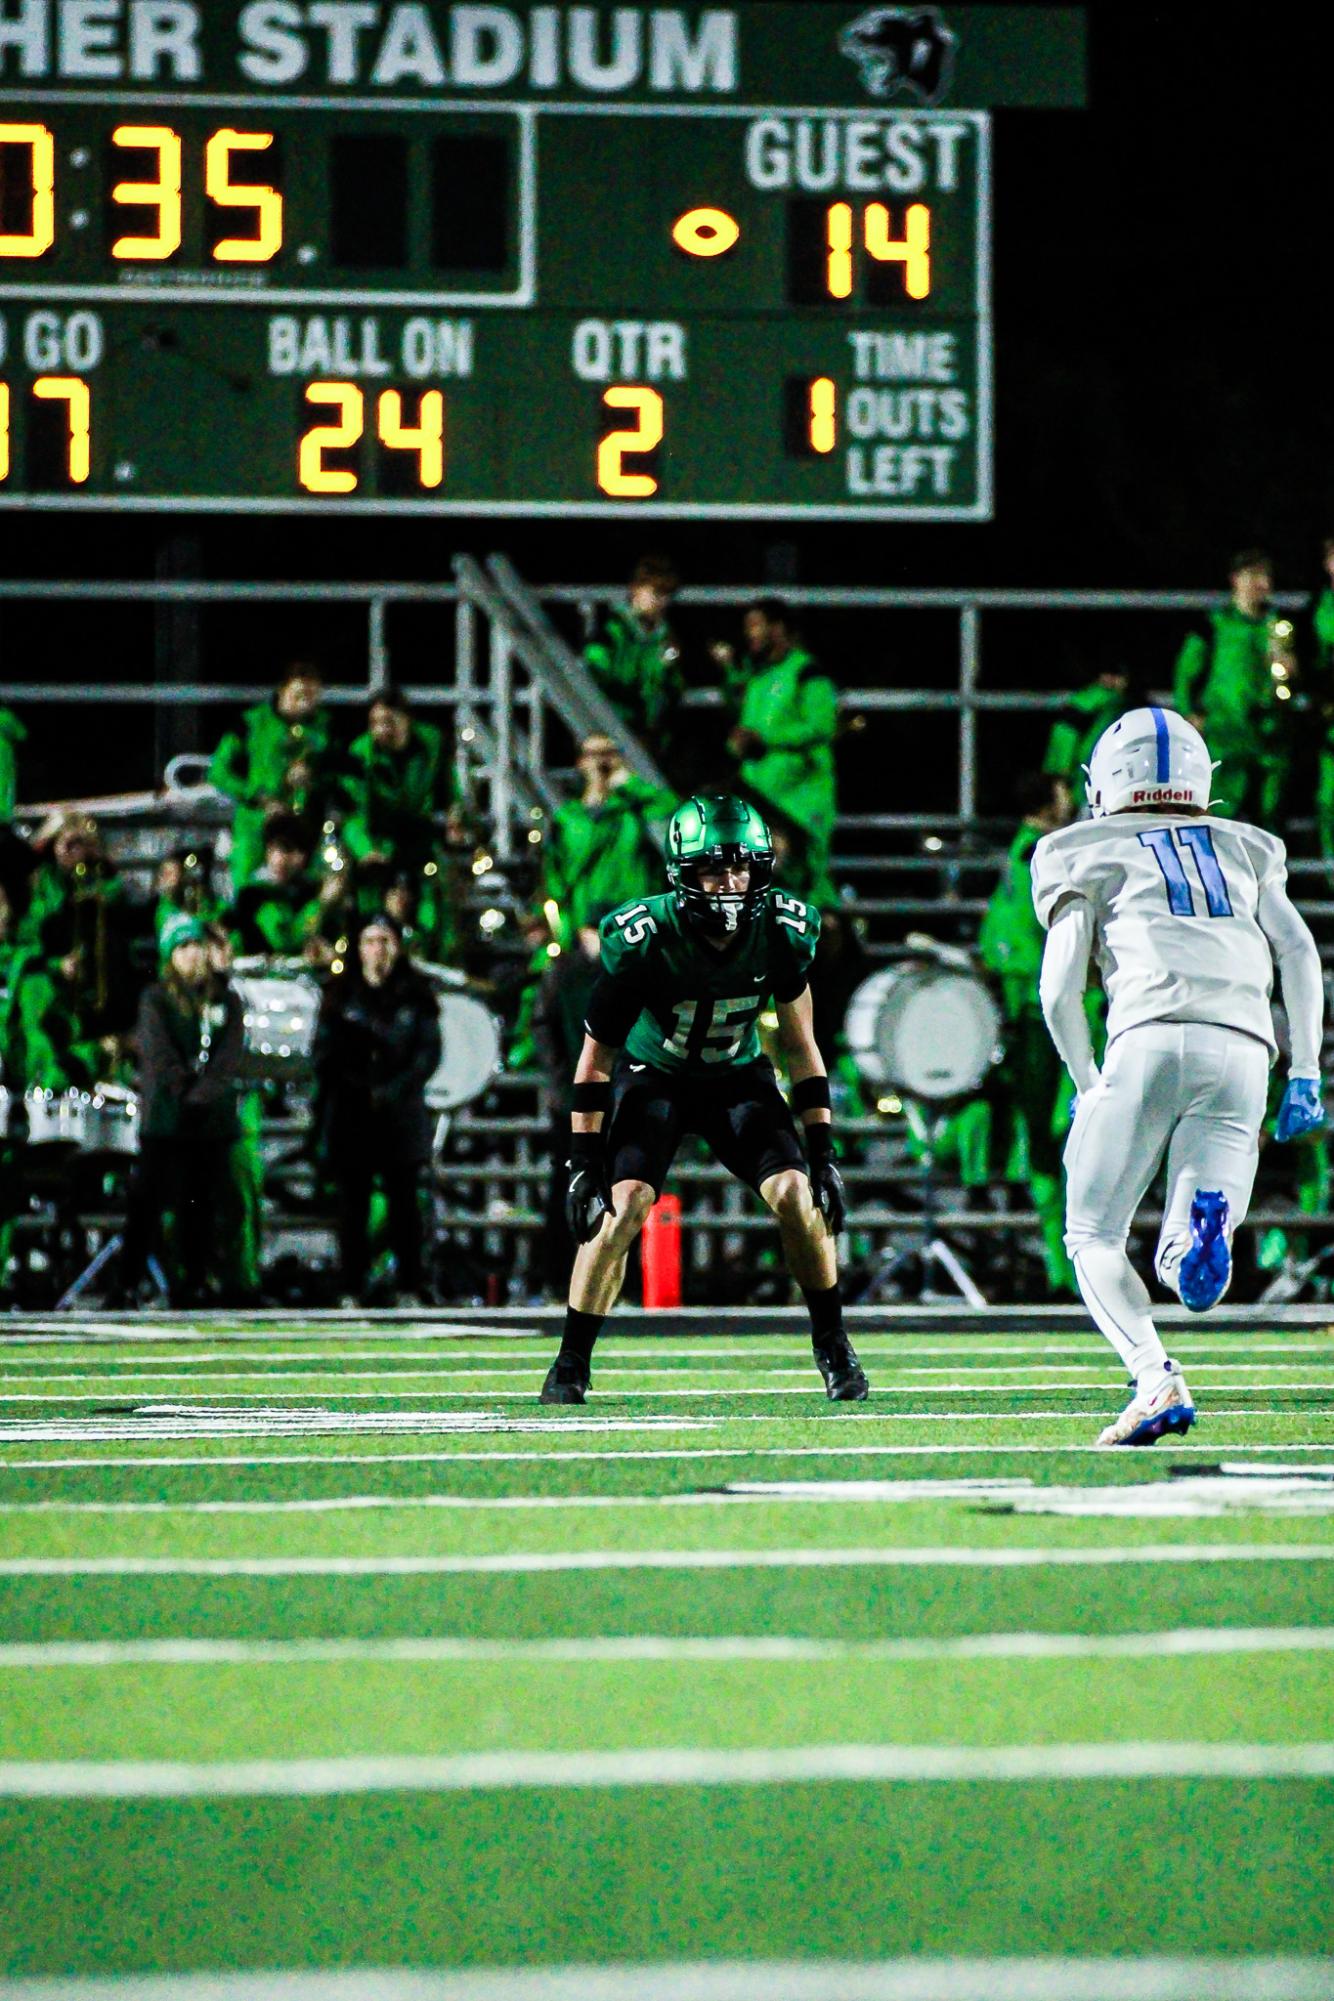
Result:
{"points": [[902, 48]]}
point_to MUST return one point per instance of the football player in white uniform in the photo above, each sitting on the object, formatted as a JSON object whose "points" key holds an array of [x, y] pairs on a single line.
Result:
{"points": [[1187, 917]]}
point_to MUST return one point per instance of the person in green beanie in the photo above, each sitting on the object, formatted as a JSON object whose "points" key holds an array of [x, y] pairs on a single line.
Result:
{"points": [[1031, 1081], [282, 759], [600, 849], [635, 658], [191, 1039], [1233, 679], [397, 782], [783, 740], [279, 913]]}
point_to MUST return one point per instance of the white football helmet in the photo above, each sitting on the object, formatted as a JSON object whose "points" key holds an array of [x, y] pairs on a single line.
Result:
{"points": [[1151, 757]]}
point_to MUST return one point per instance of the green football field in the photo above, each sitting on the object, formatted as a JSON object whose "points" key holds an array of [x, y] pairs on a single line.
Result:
{"points": [[331, 1663]]}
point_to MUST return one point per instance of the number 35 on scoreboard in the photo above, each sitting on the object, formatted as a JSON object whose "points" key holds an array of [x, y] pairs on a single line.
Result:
{"points": [[426, 437]]}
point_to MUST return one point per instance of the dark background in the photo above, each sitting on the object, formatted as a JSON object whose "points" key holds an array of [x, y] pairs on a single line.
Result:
{"points": [[1163, 353]]}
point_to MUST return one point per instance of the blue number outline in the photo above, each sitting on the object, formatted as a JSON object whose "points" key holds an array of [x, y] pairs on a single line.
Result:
{"points": [[1163, 842]]}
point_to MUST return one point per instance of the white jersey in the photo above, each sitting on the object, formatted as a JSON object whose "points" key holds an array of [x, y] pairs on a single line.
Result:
{"points": [[1174, 903]]}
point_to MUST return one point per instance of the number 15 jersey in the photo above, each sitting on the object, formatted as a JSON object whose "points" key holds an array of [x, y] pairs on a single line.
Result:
{"points": [[674, 1001], [1174, 900]]}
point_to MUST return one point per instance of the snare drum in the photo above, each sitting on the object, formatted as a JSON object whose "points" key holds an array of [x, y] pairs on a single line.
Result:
{"points": [[929, 1031], [280, 1011], [111, 1120], [56, 1118], [104, 1120], [470, 1056]]}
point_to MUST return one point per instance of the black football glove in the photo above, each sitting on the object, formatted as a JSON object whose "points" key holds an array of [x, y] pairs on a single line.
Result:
{"points": [[588, 1195], [831, 1197]]}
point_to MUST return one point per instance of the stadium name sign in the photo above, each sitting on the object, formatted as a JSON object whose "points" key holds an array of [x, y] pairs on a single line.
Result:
{"points": [[279, 42]]}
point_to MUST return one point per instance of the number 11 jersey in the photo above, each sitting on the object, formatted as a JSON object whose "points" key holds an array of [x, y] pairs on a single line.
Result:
{"points": [[676, 1002], [1174, 899]]}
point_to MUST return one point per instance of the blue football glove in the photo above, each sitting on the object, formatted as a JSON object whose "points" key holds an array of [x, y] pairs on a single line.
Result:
{"points": [[1301, 1111]]}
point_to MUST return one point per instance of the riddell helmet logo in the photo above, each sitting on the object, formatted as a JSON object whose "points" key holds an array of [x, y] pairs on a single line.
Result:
{"points": [[1163, 795], [902, 49]]}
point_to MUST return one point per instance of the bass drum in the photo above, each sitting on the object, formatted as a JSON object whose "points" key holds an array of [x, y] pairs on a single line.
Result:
{"points": [[470, 1055], [280, 1011], [931, 1032]]}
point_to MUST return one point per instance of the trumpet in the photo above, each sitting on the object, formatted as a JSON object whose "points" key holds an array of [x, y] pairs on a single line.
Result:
{"points": [[1282, 658]]}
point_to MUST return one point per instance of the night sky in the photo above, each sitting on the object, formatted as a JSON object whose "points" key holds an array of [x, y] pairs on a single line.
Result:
{"points": [[1162, 308]]}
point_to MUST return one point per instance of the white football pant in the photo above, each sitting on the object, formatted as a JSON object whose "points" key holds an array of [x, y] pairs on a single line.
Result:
{"points": [[1187, 1089]]}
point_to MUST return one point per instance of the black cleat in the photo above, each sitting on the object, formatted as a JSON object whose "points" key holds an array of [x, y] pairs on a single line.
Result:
{"points": [[567, 1381], [844, 1377]]}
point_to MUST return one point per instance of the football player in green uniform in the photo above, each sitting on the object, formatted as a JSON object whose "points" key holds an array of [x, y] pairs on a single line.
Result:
{"points": [[671, 1047]]}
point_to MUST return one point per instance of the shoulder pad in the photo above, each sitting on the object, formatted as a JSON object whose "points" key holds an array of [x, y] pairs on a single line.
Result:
{"points": [[1049, 867], [793, 925], [628, 933]]}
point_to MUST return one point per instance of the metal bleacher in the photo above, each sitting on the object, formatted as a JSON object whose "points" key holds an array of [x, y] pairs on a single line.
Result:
{"points": [[936, 734]]}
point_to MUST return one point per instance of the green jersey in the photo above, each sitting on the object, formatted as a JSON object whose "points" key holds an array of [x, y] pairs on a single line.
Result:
{"points": [[676, 1002]]}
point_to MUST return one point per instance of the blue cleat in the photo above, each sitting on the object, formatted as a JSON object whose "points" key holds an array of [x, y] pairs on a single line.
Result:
{"points": [[1206, 1268], [1146, 1419]]}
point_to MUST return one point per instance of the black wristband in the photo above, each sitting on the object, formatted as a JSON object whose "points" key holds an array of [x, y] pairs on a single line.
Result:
{"points": [[820, 1141], [585, 1146], [594, 1096], [810, 1095]]}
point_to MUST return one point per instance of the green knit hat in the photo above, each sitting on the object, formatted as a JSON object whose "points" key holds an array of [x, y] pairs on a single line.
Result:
{"points": [[180, 930]]}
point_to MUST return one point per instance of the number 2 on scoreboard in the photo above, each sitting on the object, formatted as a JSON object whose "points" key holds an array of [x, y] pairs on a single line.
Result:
{"points": [[645, 437]]}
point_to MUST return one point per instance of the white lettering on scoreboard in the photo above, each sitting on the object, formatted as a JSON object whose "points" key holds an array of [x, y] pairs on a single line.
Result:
{"points": [[670, 50], [900, 397], [351, 347]]}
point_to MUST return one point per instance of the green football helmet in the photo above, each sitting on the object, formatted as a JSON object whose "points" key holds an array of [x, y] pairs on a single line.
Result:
{"points": [[709, 833]]}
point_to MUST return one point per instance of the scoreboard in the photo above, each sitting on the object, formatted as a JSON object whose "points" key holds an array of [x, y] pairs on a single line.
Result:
{"points": [[504, 260]]}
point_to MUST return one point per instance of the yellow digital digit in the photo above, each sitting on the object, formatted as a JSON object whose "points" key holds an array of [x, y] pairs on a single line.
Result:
{"points": [[824, 414], [347, 399], [72, 390], [163, 194], [264, 200], [706, 232], [4, 430], [42, 234], [913, 251], [839, 238], [648, 431], [426, 437]]}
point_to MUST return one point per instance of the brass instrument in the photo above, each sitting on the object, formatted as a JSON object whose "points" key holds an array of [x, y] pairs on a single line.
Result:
{"points": [[1283, 666]]}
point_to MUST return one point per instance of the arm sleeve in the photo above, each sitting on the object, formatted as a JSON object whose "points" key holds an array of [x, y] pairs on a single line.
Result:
{"points": [[812, 719], [1065, 965], [614, 1007], [1300, 972], [157, 1051], [229, 770], [1191, 663]]}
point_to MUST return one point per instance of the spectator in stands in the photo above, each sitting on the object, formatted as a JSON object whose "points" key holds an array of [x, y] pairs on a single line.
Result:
{"points": [[1032, 1079], [241, 1226], [635, 658], [1087, 713], [397, 783], [783, 740], [183, 887], [278, 914], [78, 904], [280, 761], [12, 734], [377, 1045], [1320, 654], [558, 1036], [1227, 675], [601, 849], [191, 1040]]}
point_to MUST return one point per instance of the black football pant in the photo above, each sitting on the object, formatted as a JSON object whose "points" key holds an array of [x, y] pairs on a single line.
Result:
{"points": [[355, 1175]]}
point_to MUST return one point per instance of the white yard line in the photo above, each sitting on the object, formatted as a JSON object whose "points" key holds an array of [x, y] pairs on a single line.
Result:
{"points": [[1178, 1644], [611, 1455], [1095, 1369], [513, 1563], [1051, 1978], [528, 1394], [818, 1764], [207, 1423]]}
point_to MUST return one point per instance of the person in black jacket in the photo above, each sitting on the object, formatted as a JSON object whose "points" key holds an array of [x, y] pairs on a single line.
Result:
{"points": [[377, 1044], [191, 1040]]}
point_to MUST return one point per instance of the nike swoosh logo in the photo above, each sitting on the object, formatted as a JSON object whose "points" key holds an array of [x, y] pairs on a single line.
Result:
{"points": [[639, 1066]]}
